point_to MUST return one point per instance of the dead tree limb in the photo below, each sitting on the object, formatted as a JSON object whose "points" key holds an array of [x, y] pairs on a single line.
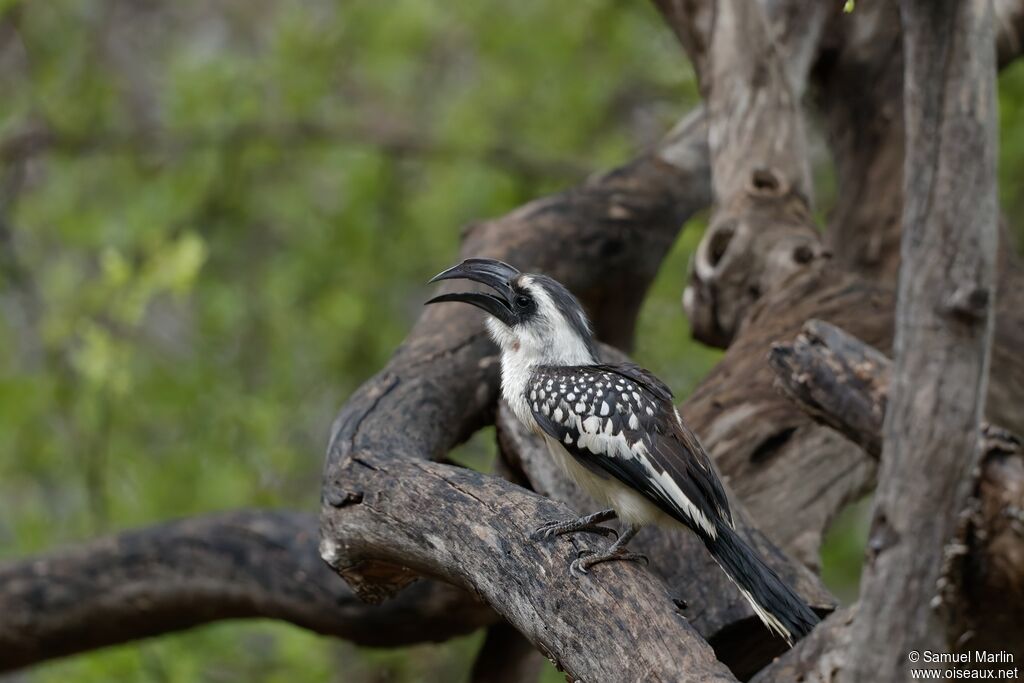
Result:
{"points": [[859, 89], [794, 26], [857, 78], [761, 444], [400, 518], [858, 83], [844, 383], [792, 475], [761, 182], [944, 322], [181, 574]]}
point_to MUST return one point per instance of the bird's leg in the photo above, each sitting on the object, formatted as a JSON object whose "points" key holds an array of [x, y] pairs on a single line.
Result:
{"points": [[591, 523], [617, 551]]}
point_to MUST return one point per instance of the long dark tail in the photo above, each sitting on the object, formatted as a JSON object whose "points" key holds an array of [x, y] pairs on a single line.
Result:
{"points": [[777, 605]]}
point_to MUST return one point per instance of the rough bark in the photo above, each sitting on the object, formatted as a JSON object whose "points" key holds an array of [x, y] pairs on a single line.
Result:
{"points": [[858, 80], [764, 445], [792, 475], [844, 383], [760, 443], [859, 89], [761, 230], [944, 321], [402, 517], [624, 221], [195, 571]]}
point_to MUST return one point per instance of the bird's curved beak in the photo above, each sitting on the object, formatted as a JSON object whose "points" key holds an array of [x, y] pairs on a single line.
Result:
{"points": [[495, 274]]}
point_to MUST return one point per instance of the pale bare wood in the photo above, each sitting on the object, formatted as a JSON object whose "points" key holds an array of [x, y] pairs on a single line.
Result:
{"points": [[944, 326]]}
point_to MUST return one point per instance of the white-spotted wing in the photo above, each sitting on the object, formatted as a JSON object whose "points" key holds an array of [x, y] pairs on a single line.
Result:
{"points": [[619, 420]]}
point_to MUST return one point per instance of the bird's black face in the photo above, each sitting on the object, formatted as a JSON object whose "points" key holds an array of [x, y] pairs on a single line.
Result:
{"points": [[510, 303]]}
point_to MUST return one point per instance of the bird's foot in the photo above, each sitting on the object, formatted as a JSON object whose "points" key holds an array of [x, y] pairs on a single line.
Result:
{"points": [[587, 559], [560, 527], [588, 523]]}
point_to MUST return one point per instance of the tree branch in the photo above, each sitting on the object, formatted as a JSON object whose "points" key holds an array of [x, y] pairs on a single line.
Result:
{"points": [[944, 323], [181, 574], [400, 518], [859, 80], [762, 185], [844, 383]]}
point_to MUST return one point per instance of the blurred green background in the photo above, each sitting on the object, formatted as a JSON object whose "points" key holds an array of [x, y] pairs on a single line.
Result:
{"points": [[217, 218]]}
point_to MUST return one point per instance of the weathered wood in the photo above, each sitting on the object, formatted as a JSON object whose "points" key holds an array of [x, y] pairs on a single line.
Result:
{"points": [[844, 384], [944, 324], [400, 518], [837, 379], [654, 193], [859, 83], [794, 25], [857, 76], [181, 574], [860, 93], [761, 230], [792, 475]]}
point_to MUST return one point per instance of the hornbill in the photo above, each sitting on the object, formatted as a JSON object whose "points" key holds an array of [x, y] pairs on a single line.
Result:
{"points": [[614, 429]]}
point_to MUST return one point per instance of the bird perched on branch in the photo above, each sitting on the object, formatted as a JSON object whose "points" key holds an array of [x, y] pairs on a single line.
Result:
{"points": [[614, 429]]}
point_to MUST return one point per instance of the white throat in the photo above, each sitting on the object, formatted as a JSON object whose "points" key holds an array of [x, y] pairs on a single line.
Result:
{"points": [[550, 341]]}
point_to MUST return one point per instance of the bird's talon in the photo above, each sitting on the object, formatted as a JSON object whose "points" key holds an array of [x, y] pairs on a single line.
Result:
{"points": [[544, 531], [557, 528], [582, 563], [578, 566]]}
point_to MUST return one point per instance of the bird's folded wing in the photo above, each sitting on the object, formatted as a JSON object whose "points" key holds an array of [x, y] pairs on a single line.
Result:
{"points": [[619, 420]]}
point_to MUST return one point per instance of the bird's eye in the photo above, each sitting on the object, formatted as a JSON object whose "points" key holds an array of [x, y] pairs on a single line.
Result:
{"points": [[522, 301]]}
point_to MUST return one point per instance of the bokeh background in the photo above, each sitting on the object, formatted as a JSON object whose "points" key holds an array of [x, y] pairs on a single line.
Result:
{"points": [[217, 218]]}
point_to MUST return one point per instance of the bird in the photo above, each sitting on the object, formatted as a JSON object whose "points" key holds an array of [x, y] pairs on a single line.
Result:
{"points": [[614, 429]]}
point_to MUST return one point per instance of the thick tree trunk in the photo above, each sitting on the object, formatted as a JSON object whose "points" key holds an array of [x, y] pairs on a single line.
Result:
{"points": [[944, 320]]}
